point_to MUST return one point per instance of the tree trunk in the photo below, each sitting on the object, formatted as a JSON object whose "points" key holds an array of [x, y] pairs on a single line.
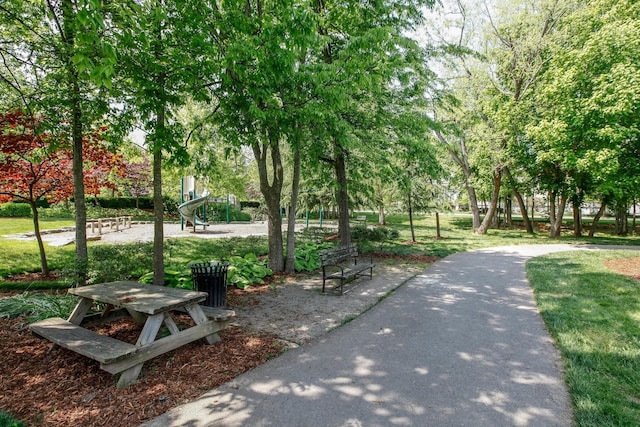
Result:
{"points": [[410, 203], [462, 160], [521, 203], [473, 204], [342, 195], [495, 196], [495, 221], [533, 211], [633, 222], [82, 253], [528, 224], [622, 223], [68, 16], [158, 210], [556, 224], [552, 208], [438, 235], [272, 192], [291, 218], [382, 220], [594, 224], [508, 206], [36, 229], [577, 220]]}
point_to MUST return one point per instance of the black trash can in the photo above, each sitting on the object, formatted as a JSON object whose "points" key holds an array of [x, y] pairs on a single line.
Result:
{"points": [[211, 277]]}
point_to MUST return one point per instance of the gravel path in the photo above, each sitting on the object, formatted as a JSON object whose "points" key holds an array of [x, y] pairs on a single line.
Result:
{"points": [[143, 232]]}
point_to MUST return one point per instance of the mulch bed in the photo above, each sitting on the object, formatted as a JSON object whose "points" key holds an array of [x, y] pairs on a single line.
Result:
{"points": [[58, 387], [629, 267]]}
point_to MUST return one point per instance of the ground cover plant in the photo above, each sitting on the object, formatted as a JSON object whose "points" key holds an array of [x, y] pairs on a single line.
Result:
{"points": [[6, 420], [593, 314]]}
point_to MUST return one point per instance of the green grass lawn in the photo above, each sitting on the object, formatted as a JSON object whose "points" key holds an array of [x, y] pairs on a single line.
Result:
{"points": [[594, 316], [25, 225], [22, 256], [457, 235]]}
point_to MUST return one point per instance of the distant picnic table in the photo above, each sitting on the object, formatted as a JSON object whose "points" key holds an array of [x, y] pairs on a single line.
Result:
{"points": [[99, 223], [150, 304]]}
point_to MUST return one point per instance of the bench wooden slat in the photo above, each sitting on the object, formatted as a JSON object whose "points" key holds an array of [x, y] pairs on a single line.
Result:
{"points": [[84, 341], [218, 314], [350, 271], [214, 313]]}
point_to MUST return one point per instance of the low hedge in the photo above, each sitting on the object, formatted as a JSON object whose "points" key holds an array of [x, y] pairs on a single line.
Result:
{"points": [[15, 210]]}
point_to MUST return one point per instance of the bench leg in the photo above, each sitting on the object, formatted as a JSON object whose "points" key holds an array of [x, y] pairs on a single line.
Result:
{"points": [[129, 376], [198, 316]]}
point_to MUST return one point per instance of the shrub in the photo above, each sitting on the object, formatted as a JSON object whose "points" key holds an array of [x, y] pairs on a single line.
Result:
{"points": [[119, 262], [217, 212], [6, 420], [242, 272], [15, 210], [122, 202], [375, 234], [307, 258], [245, 271], [176, 277], [256, 214], [58, 210], [170, 205], [249, 204]]}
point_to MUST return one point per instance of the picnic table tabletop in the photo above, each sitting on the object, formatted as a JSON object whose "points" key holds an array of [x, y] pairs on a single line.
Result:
{"points": [[147, 299]]}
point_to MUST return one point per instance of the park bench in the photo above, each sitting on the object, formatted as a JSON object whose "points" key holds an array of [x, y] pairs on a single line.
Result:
{"points": [[361, 220], [342, 264]]}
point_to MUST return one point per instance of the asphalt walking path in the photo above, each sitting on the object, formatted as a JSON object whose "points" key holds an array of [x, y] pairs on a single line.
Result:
{"points": [[461, 344]]}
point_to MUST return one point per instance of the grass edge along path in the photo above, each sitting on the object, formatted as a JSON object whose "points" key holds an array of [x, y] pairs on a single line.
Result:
{"points": [[593, 314]]}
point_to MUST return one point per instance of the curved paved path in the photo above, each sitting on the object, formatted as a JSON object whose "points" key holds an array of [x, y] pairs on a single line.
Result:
{"points": [[461, 344]]}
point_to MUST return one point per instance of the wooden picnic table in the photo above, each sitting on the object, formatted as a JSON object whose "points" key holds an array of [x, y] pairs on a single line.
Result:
{"points": [[149, 303]]}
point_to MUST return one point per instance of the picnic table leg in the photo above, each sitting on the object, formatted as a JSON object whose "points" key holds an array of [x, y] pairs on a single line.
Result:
{"points": [[198, 316], [148, 334], [170, 324], [80, 311]]}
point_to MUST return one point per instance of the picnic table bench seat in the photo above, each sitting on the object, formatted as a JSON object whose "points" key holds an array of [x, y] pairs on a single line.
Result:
{"points": [[342, 264], [81, 340]]}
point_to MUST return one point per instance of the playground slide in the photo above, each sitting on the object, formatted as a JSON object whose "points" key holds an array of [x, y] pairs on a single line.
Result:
{"points": [[188, 210]]}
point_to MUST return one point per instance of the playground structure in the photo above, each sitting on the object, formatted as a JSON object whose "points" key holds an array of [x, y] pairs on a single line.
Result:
{"points": [[191, 207], [189, 210]]}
